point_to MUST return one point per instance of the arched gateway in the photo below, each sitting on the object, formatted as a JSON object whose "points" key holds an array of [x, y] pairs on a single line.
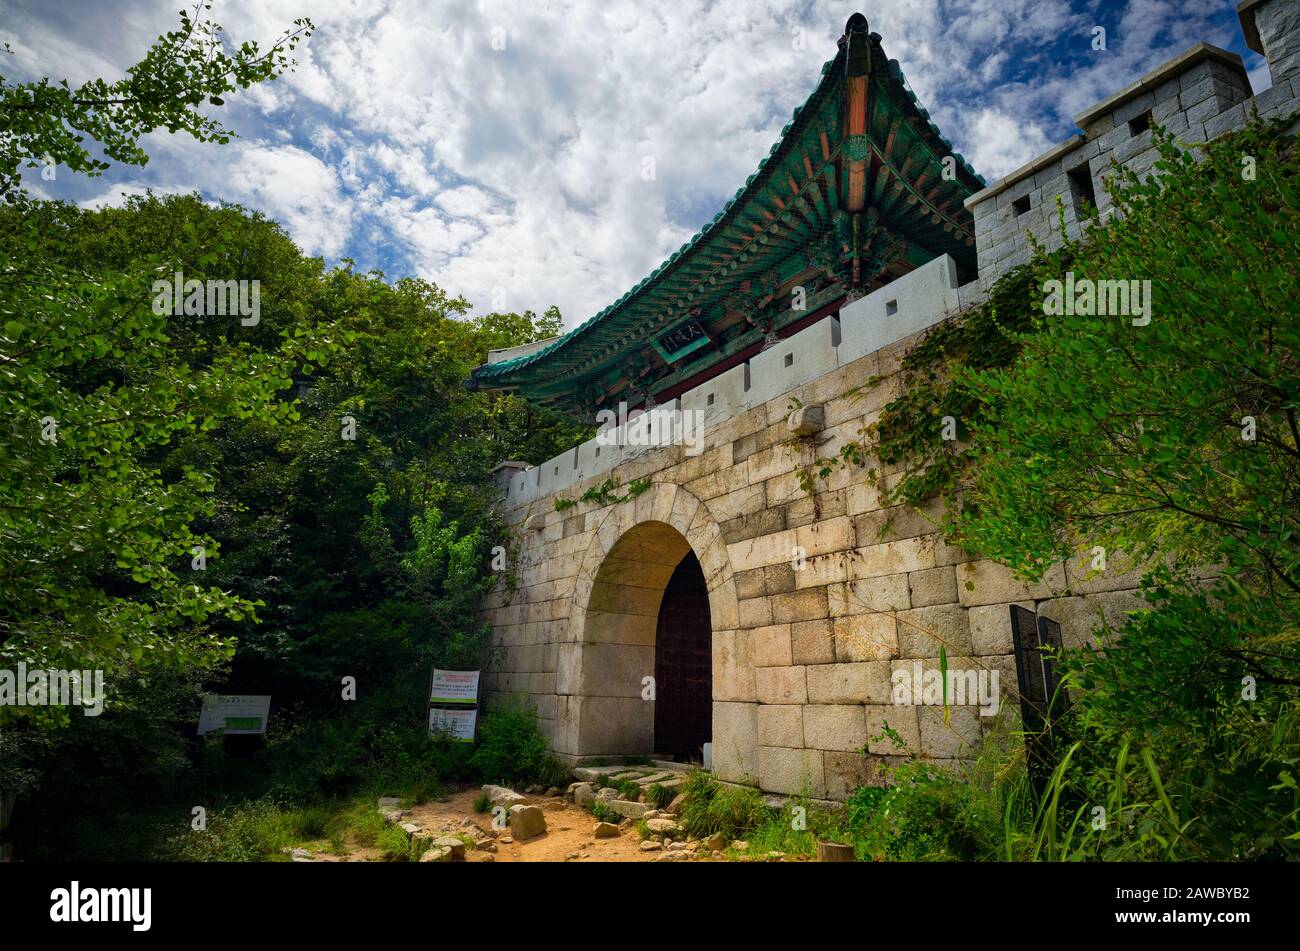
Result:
{"points": [[652, 598]]}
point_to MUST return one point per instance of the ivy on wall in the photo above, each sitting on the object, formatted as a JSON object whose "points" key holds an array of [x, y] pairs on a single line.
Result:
{"points": [[922, 432], [604, 494]]}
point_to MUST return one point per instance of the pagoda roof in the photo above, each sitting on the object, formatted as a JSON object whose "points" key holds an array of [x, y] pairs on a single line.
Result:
{"points": [[860, 188]]}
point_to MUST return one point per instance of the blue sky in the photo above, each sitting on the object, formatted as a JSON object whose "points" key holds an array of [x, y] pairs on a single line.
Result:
{"points": [[410, 141]]}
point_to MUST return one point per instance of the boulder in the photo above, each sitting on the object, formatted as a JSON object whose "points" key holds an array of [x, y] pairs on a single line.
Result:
{"points": [[605, 830], [501, 796], [456, 846], [526, 821], [584, 794], [626, 808], [650, 845], [715, 842], [663, 826], [674, 808], [419, 838], [437, 854], [553, 791]]}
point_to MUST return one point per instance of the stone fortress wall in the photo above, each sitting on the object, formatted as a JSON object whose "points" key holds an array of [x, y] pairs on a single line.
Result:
{"points": [[802, 660]]}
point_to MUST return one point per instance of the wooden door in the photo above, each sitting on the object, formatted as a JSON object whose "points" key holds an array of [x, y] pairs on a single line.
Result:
{"points": [[684, 665]]}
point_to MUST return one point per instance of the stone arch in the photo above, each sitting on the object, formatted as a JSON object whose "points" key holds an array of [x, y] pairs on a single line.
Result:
{"points": [[610, 640]]}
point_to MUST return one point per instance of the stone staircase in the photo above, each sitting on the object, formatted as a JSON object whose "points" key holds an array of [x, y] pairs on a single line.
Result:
{"points": [[592, 784]]}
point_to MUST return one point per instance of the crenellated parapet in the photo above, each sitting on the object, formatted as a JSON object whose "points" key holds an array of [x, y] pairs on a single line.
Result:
{"points": [[1197, 96], [917, 300]]}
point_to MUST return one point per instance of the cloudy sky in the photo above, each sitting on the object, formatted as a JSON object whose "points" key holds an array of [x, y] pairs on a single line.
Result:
{"points": [[496, 148]]}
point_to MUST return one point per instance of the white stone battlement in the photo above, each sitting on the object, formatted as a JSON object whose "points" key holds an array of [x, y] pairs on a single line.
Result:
{"points": [[909, 304]]}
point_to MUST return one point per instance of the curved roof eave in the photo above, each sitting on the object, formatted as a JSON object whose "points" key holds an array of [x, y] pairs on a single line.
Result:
{"points": [[500, 374]]}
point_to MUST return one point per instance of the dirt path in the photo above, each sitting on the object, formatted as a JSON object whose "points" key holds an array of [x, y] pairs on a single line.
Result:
{"points": [[568, 835]]}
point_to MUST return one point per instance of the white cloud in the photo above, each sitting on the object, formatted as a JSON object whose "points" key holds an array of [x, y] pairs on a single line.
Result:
{"points": [[404, 139], [1003, 143], [465, 202]]}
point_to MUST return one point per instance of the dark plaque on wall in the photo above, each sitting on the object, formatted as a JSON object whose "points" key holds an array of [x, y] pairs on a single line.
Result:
{"points": [[685, 338]]}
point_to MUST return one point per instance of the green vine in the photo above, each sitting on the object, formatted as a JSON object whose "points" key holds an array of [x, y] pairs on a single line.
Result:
{"points": [[603, 494], [922, 431]]}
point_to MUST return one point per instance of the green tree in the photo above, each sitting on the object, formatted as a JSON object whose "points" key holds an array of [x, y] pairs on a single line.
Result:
{"points": [[1174, 437], [99, 534], [1171, 444], [186, 69]]}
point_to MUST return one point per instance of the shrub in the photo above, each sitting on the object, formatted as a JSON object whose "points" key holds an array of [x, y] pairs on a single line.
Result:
{"points": [[366, 824], [510, 750], [659, 796], [710, 807], [554, 772], [311, 823], [779, 832], [253, 832], [980, 811], [1167, 742], [928, 815], [395, 845]]}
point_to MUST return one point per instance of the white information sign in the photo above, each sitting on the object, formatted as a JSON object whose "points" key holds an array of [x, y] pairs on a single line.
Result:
{"points": [[454, 686], [234, 713], [458, 724]]}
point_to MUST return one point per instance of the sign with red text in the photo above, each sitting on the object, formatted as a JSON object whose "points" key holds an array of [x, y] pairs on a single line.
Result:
{"points": [[454, 686]]}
